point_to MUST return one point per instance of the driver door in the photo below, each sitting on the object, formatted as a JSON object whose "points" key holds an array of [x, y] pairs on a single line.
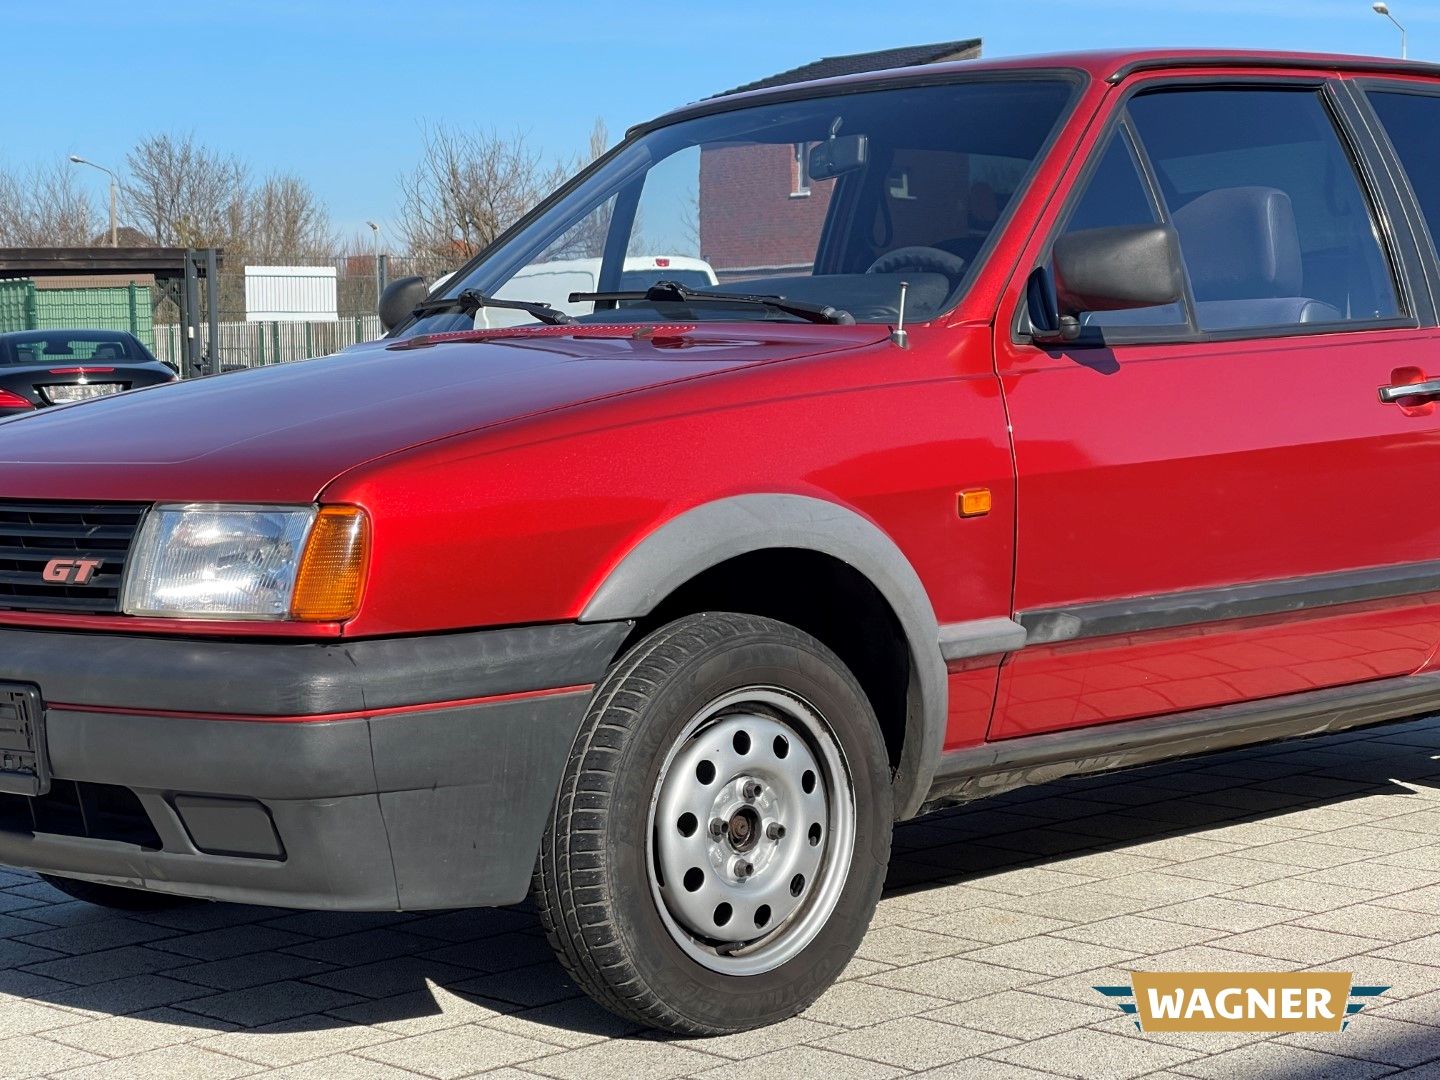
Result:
{"points": [[1213, 504]]}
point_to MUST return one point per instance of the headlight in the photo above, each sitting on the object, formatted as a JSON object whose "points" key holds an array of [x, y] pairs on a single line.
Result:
{"points": [[207, 561]]}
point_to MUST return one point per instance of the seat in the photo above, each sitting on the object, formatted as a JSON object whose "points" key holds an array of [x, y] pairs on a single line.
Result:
{"points": [[1242, 250]]}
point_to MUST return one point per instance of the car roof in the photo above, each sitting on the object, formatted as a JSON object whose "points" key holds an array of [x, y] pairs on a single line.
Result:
{"points": [[1111, 65]]}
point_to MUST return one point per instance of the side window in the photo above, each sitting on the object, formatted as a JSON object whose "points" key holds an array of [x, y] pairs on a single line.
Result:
{"points": [[1274, 226], [1115, 194], [1411, 121]]}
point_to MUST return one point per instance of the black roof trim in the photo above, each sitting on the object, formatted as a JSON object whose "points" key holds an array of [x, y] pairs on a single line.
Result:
{"points": [[1281, 63], [859, 63], [901, 77]]}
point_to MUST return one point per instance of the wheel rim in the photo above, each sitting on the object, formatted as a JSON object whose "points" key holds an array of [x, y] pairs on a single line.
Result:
{"points": [[751, 830]]}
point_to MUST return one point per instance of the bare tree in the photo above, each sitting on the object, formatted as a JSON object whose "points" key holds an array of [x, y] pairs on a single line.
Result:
{"points": [[470, 186], [45, 207], [467, 189], [287, 224], [184, 194]]}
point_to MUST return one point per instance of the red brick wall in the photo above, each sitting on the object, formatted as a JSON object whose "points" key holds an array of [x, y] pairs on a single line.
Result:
{"points": [[748, 216]]}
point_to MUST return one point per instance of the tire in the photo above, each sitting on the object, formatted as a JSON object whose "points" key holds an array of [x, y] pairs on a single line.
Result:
{"points": [[692, 720], [114, 896]]}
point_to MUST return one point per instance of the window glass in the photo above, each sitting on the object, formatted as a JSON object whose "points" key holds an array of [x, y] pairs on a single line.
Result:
{"points": [[904, 184], [1273, 224], [68, 346], [1413, 123], [1115, 195]]}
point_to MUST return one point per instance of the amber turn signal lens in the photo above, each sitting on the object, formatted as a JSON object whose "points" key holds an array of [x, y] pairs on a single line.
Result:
{"points": [[333, 568], [974, 503]]}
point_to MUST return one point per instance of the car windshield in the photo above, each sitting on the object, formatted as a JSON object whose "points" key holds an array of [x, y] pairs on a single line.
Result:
{"points": [[68, 347], [829, 201]]}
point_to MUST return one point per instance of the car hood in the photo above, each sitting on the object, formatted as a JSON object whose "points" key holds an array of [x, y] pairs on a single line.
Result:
{"points": [[283, 433]]}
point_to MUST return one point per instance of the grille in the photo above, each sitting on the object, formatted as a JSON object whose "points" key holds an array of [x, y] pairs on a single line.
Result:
{"points": [[71, 808], [32, 534]]}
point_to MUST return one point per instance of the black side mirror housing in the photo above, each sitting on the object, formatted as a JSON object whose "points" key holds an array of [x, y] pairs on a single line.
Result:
{"points": [[399, 300], [1109, 269]]}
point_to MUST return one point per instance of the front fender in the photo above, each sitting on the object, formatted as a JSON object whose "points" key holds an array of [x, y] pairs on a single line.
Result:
{"points": [[710, 534]]}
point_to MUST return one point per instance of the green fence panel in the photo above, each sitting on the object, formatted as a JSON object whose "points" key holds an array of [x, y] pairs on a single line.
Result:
{"points": [[15, 304], [108, 308]]}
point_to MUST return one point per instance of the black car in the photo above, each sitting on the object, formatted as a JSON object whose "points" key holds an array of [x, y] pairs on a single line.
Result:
{"points": [[58, 367]]}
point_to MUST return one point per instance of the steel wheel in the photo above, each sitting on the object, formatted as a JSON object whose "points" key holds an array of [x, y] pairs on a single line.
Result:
{"points": [[751, 831]]}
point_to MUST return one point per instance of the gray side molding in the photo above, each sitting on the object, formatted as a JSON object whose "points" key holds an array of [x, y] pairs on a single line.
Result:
{"points": [[981, 637], [709, 535]]}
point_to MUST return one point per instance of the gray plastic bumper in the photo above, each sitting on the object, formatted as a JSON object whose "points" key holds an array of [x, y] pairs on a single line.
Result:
{"points": [[423, 808]]}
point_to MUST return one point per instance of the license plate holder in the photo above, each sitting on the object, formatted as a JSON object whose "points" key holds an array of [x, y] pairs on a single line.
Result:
{"points": [[24, 756]]}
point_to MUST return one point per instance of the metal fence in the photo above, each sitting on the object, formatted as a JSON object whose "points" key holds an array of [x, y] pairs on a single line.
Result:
{"points": [[242, 341], [244, 344]]}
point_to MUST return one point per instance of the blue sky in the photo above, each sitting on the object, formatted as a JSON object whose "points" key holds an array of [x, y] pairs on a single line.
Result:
{"points": [[338, 91]]}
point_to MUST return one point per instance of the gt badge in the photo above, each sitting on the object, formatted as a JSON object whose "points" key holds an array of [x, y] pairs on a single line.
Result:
{"points": [[70, 571]]}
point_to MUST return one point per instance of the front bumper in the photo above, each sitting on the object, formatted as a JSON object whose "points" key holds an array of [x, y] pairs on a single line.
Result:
{"points": [[375, 775]]}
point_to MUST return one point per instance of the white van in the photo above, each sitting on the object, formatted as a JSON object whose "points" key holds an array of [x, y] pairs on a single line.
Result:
{"points": [[553, 282]]}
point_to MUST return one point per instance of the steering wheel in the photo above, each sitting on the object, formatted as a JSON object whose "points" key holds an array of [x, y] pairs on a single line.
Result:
{"points": [[922, 260]]}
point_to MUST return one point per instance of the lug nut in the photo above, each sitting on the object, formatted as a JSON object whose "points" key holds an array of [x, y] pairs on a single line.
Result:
{"points": [[742, 869], [751, 790], [775, 831], [717, 827]]}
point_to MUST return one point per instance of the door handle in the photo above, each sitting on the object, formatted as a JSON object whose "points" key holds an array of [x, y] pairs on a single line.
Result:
{"points": [[1392, 394]]}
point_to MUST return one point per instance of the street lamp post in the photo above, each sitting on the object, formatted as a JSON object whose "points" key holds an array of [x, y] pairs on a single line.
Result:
{"points": [[379, 277], [1382, 8], [78, 160]]}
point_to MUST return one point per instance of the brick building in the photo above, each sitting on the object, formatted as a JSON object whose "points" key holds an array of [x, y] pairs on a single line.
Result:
{"points": [[759, 213]]}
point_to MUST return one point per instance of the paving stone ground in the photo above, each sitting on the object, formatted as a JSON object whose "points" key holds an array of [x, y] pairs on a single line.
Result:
{"points": [[998, 920]]}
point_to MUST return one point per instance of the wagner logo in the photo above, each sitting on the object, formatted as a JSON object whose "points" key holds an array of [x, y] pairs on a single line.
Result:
{"points": [[1242, 1000], [70, 571]]}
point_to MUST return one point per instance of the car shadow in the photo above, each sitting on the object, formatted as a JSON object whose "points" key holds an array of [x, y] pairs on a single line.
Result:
{"points": [[224, 967]]}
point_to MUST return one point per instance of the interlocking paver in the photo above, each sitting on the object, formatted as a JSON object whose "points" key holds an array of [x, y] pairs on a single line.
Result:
{"points": [[1086, 1053], [650, 1058], [901, 945], [991, 925], [1297, 894], [915, 1043], [956, 978], [458, 1051], [1050, 955], [862, 1003], [803, 1063], [1021, 1014], [979, 964], [30, 1055], [183, 1062], [268, 1003], [340, 1067], [97, 967], [125, 1036], [290, 1042], [1276, 1059], [423, 1010], [1301, 945]]}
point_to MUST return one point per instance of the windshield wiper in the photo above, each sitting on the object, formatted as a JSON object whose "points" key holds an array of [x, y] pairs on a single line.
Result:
{"points": [[672, 292], [469, 301]]}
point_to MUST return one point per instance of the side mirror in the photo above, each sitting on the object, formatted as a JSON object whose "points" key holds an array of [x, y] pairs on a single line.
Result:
{"points": [[399, 299], [1110, 269]]}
